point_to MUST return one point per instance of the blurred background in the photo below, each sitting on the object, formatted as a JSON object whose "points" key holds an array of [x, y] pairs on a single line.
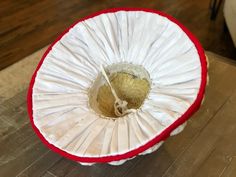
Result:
{"points": [[27, 26]]}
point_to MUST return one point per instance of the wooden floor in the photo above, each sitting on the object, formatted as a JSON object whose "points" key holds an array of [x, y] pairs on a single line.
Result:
{"points": [[206, 147], [27, 26]]}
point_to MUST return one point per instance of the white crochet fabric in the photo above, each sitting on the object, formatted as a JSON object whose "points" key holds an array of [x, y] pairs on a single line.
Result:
{"points": [[61, 110]]}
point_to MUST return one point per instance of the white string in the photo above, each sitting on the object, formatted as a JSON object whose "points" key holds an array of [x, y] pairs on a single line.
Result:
{"points": [[120, 106]]}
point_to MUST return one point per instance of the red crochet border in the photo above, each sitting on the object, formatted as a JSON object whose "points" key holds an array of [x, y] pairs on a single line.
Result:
{"points": [[166, 133]]}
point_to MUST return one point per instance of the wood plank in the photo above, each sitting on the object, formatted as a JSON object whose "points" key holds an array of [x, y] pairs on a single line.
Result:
{"points": [[42, 164], [220, 75], [220, 159], [85, 171], [43, 21], [13, 114], [5, 129], [13, 104], [153, 164], [18, 141], [62, 167], [117, 171], [221, 58], [224, 149], [69, 168], [19, 150], [11, 7], [23, 160], [230, 171], [48, 174], [17, 120]]}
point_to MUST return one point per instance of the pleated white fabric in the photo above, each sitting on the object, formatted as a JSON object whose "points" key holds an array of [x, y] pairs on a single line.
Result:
{"points": [[61, 108]]}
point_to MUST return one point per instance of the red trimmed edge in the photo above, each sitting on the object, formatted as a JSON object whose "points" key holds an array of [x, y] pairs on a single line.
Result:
{"points": [[165, 134]]}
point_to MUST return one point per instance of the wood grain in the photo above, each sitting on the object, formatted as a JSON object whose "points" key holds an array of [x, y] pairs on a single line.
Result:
{"points": [[41, 165], [19, 150], [27, 26], [5, 128], [69, 168], [230, 170]]}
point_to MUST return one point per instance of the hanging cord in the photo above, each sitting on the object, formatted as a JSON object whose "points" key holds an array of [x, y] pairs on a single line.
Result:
{"points": [[120, 106]]}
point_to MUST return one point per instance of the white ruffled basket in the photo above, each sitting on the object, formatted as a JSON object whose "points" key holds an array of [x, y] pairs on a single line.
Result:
{"points": [[58, 99]]}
